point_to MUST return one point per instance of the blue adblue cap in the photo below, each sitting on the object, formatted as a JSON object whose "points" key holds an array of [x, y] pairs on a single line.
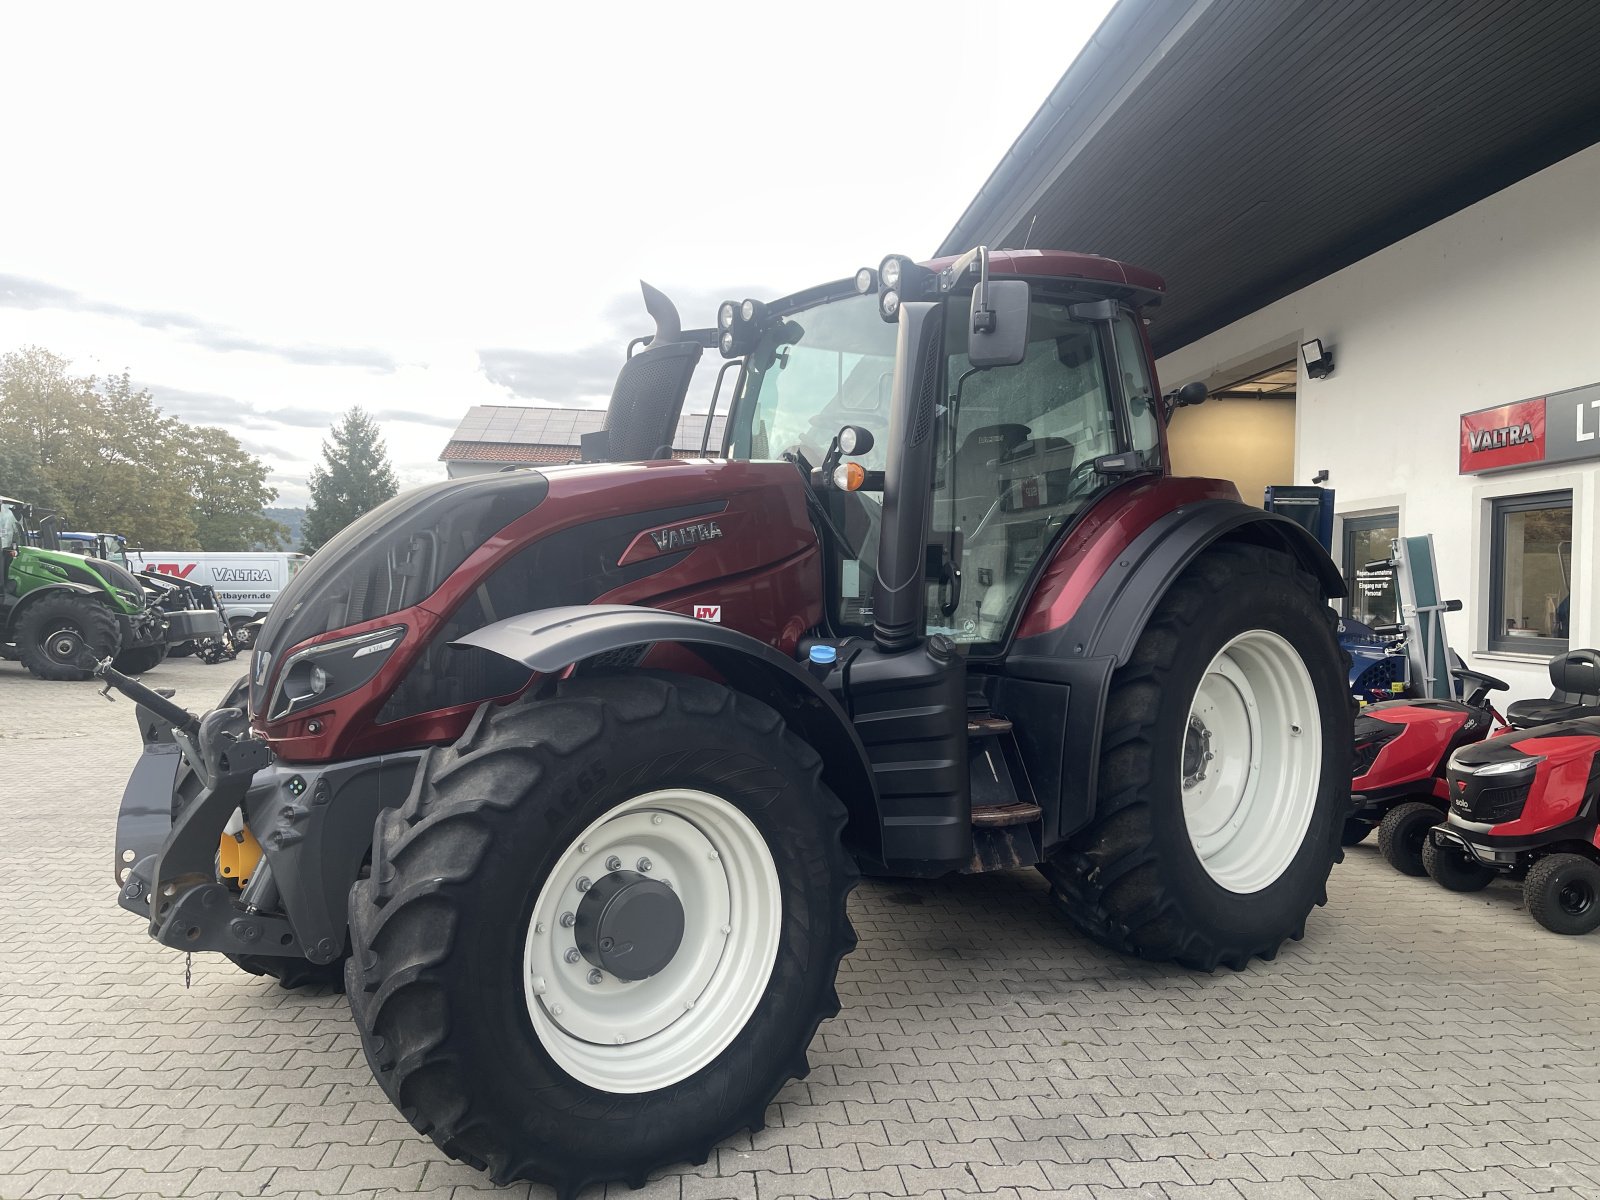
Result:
{"points": [[824, 655]]}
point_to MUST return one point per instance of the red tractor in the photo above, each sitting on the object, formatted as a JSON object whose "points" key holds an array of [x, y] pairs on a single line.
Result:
{"points": [[567, 773]]}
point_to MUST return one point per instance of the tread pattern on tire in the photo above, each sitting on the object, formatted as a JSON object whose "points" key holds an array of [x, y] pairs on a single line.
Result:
{"points": [[99, 627], [1108, 881], [430, 845], [1536, 890]]}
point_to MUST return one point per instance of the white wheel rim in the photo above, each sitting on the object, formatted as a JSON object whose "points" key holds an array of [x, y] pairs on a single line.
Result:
{"points": [[1251, 761], [638, 1036]]}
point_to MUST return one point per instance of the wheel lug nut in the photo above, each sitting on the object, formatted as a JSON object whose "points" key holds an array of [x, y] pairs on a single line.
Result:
{"points": [[571, 955], [584, 885], [568, 920], [583, 847], [655, 819], [644, 865], [714, 856], [596, 975], [556, 1010], [613, 863]]}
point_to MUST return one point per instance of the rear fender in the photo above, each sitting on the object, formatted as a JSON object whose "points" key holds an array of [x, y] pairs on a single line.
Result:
{"points": [[1100, 634], [550, 640]]}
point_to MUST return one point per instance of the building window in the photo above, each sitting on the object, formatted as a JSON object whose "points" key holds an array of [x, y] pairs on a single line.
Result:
{"points": [[1530, 587], [1372, 599]]}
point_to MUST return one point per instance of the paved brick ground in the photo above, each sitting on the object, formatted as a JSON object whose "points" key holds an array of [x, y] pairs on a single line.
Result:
{"points": [[1415, 1044]]}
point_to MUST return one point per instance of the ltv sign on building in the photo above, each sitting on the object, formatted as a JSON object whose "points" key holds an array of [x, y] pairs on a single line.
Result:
{"points": [[1560, 427]]}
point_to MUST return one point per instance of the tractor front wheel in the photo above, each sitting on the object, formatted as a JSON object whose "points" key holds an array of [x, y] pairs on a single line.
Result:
{"points": [[58, 634], [141, 659], [1224, 777], [600, 933]]}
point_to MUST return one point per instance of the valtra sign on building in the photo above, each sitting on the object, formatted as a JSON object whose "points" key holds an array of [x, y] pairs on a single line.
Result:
{"points": [[1560, 427]]}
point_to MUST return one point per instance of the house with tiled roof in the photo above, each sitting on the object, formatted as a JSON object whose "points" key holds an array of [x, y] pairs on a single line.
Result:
{"points": [[492, 437]]}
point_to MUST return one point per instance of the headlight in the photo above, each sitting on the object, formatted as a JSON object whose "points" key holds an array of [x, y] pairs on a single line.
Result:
{"points": [[331, 669], [889, 272], [866, 281], [725, 314], [889, 305], [725, 343], [1509, 767]]}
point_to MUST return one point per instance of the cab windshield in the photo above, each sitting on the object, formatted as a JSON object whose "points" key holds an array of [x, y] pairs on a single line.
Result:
{"points": [[820, 368]]}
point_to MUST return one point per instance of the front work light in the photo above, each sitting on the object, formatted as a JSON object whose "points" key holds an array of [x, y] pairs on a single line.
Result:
{"points": [[866, 281], [726, 312], [889, 305]]}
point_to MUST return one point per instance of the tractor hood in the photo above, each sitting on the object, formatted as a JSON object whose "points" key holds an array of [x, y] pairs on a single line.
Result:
{"points": [[90, 572]]}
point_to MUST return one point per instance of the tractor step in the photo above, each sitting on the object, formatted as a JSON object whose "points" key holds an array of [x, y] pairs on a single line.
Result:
{"points": [[992, 815]]}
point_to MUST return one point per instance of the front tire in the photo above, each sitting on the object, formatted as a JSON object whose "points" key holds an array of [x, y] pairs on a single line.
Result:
{"points": [[141, 659], [1225, 772], [57, 633], [1455, 869], [1403, 833], [505, 1017], [1562, 892], [1355, 831]]}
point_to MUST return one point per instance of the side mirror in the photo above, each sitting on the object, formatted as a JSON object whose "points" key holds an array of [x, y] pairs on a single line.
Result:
{"points": [[999, 334], [1187, 396]]}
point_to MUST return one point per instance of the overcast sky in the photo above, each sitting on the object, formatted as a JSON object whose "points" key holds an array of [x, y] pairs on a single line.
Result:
{"points": [[267, 214]]}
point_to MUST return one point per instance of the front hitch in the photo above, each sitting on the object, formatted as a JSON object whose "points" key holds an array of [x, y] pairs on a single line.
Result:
{"points": [[181, 719]]}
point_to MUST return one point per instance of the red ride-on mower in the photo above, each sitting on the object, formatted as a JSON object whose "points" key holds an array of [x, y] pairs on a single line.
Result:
{"points": [[1401, 747], [1525, 806]]}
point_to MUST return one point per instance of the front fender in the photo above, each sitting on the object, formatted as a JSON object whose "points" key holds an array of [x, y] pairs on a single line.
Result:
{"points": [[551, 639]]}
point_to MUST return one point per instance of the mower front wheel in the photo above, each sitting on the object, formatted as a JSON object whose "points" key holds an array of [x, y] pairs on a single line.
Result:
{"points": [[602, 930], [1562, 892], [1403, 833], [1355, 831], [1453, 868], [58, 633]]}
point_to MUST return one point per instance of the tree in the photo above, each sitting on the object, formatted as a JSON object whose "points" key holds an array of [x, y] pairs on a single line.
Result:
{"points": [[353, 478], [106, 459], [229, 490]]}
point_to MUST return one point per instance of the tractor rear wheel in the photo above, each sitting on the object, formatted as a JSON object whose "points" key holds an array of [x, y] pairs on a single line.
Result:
{"points": [[602, 930], [141, 659], [1562, 892], [58, 633], [1404, 832], [1224, 776]]}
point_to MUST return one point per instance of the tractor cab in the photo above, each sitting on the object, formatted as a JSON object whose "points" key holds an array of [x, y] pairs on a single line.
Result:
{"points": [[1021, 444]]}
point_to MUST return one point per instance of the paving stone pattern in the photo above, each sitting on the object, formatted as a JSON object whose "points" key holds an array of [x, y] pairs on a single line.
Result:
{"points": [[1415, 1044]]}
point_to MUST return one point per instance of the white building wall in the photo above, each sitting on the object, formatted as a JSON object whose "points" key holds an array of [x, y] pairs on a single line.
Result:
{"points": [[1497, 303]]}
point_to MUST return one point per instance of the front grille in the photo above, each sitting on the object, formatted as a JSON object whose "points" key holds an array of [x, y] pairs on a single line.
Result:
{"points": [[1488, 805]]}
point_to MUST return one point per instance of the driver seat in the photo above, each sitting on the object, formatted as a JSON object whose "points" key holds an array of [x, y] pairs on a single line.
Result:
{"points": [[1575, 676]]}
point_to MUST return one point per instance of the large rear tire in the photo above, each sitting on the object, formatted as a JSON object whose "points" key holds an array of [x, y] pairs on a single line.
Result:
{"points": [[58, 632], [1224, 774], [500, 1011]]}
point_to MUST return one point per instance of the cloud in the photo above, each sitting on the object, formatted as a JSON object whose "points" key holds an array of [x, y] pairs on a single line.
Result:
{"points": [[554, 376], [213, 408], [18, 292], [417, 418], [572, 377]]}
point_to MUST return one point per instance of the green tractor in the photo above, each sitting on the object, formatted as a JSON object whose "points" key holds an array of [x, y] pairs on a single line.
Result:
{"points": [[61, 612]]}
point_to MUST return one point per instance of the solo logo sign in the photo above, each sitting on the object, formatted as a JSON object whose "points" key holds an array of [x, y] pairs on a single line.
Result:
{"points": [[1560, 427]]}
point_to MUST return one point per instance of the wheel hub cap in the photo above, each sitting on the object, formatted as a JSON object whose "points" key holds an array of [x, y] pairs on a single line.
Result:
{"points": [[629, 925]]}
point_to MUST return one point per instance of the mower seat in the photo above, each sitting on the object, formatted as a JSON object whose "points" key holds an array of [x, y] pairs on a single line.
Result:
{"points": [[1575, 676]]}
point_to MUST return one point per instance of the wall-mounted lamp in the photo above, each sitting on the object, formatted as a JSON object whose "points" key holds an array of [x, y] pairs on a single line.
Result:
{"points": [[1319, 359], [1321, 476]]}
